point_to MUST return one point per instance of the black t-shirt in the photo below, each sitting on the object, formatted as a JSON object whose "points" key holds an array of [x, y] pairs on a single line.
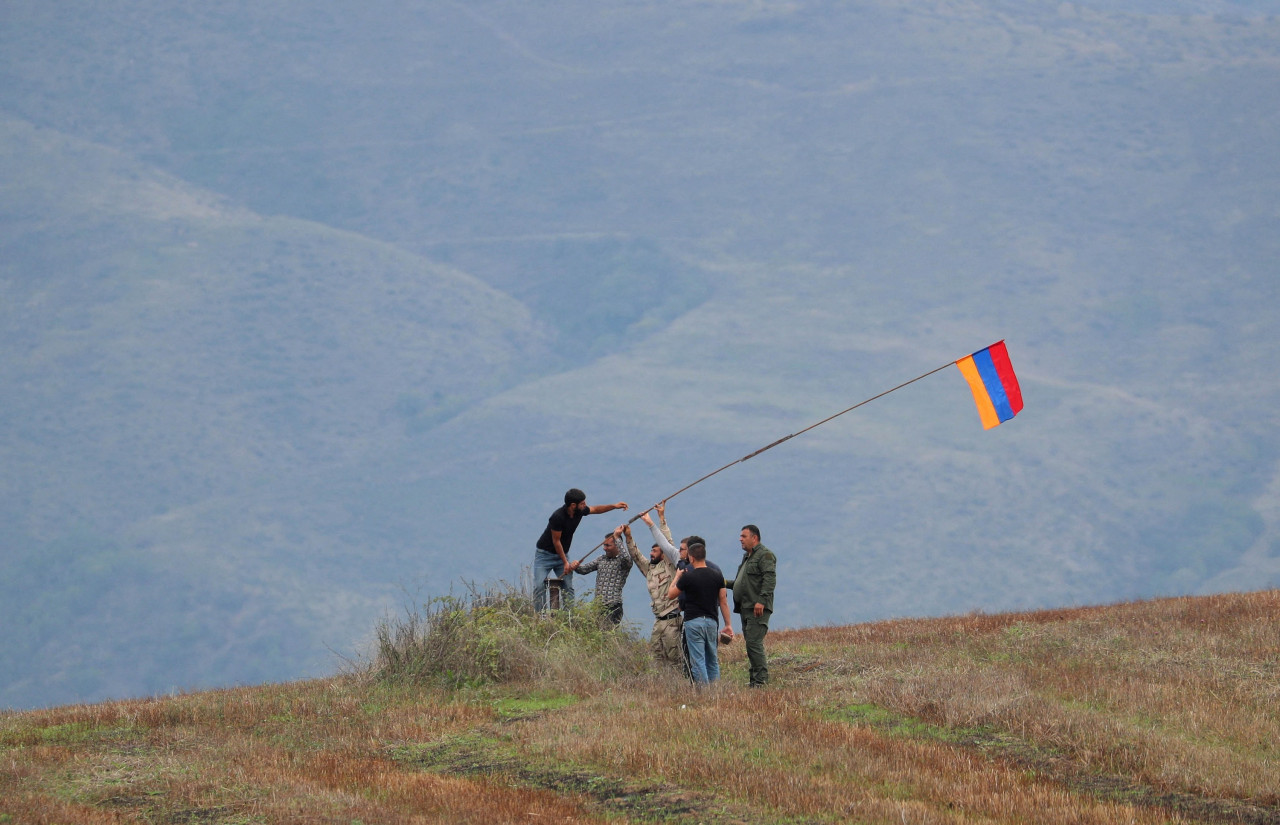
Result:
{"points": [[701, 587], [564, 524], [688, 565]]}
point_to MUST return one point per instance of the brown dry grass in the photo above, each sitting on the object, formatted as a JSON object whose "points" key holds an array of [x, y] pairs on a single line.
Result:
{"points": [[773, 750], [1159, 711], [310, 751], [1181, 694]]}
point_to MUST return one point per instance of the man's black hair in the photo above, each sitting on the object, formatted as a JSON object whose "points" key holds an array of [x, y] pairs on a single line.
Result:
{"points": [[690, 541], [753, 530], [574, 495], [697, 551]]}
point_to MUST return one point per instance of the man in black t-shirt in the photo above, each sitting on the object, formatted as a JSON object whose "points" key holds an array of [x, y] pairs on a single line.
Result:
{"points": [[552, 556], [686, 563], [704, 592]]}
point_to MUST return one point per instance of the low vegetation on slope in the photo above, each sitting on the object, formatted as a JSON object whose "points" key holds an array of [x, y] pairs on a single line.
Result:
{"points": [[1161, 711]]}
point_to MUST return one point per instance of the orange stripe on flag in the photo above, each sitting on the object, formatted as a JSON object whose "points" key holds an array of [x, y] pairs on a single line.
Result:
{"points": [[986, 410]]}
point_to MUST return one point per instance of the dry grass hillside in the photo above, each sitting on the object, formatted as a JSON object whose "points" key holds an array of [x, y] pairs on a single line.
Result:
{"points": [[1158, 711]]}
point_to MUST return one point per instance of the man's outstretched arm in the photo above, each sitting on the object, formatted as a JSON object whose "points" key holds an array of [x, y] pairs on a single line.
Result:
{"points": [[663, 541]]}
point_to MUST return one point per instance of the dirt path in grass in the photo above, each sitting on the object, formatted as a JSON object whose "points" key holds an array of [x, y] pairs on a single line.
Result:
{"points": [[485, 753]]}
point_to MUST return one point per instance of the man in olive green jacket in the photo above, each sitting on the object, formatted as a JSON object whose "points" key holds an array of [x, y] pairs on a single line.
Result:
{"points": [[753, 598]]}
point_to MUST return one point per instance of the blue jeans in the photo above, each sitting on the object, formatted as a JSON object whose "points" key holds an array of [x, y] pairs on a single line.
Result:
{"points": [[700, 635], [544, 563]]}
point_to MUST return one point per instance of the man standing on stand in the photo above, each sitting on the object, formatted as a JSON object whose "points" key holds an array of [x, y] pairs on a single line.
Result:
{"points": [[753, 599], [552, 555]]}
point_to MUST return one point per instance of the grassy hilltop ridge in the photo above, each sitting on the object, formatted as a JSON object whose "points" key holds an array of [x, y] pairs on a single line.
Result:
{"points": [[1157, 711]]}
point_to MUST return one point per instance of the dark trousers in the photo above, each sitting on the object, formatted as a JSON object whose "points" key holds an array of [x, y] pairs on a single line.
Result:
{"points": [[753, 633]]}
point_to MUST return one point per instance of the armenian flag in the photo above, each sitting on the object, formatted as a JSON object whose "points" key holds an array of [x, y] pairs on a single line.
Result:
{"points": [[993, 384]]}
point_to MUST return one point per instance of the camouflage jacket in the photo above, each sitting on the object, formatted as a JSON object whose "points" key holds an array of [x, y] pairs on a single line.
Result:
{"points": [[657, 578]]}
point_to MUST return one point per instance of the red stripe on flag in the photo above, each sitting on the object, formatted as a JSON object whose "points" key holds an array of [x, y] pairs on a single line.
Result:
{"points": [[1000, 359]]}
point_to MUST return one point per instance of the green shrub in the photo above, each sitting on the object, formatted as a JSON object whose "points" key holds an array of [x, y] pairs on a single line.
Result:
{"points": [[495, 636]]}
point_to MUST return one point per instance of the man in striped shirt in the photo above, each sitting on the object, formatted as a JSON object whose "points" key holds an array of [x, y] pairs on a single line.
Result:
{"points": [[611, 571]]}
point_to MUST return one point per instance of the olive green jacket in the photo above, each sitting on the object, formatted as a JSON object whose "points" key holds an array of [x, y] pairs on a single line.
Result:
{"points": [[754, 581]]}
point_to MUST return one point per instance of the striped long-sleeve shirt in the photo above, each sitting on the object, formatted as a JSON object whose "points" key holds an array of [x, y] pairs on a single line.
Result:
{"points": [[611, 574]]}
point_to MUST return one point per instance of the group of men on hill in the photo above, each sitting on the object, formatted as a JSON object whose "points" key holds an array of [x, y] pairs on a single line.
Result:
{"points": [[689, 594]]}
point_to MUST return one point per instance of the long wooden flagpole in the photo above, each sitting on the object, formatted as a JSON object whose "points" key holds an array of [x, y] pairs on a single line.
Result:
{"points": [[636, 517]]}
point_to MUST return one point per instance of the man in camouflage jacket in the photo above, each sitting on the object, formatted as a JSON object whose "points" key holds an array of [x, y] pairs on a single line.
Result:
{"points": [[659, 569]]}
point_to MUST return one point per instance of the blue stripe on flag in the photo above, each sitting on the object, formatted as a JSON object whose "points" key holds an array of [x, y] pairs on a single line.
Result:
{"points": [[995, 387]]}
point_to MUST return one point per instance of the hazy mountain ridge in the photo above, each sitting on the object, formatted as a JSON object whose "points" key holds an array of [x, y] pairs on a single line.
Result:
{"points": [[262, 386], [250, 339], [407, 124], [184, 365]]}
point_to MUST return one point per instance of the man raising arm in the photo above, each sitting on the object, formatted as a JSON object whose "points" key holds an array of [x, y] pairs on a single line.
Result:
{"points": [[659, 568], [552, 556], [611, 571]]}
